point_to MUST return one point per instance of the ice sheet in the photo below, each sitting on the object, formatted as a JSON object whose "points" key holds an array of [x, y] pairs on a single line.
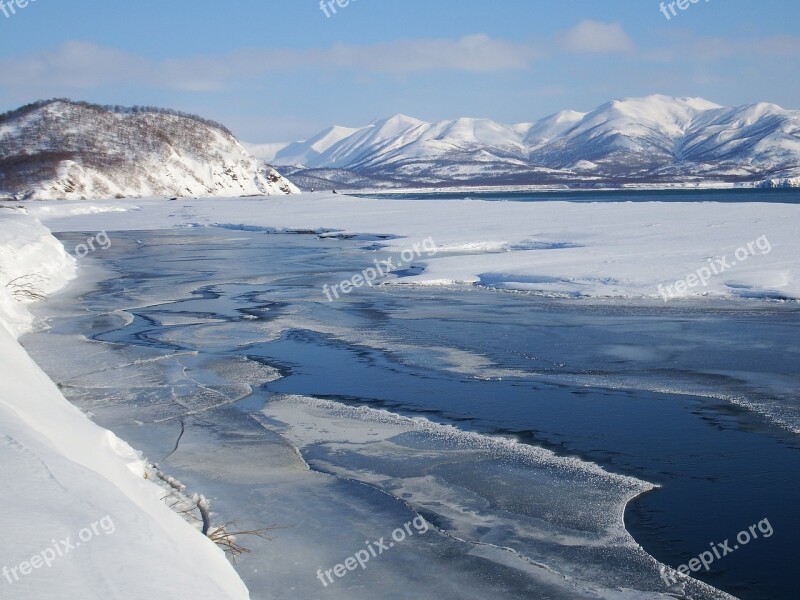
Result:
{"points": [[555, 248], [556, 518]]}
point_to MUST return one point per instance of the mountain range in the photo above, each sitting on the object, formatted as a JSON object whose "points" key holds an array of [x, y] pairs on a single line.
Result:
{"points": [[72, 150], [652, 140]]}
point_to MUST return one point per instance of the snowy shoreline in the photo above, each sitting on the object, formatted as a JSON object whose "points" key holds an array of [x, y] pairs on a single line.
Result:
{"points": [[70, 475], [541, 188]]}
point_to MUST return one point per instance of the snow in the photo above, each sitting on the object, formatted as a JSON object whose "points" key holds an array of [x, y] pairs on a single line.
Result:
{"points": [[30, 260], [265, 152], [68, 473], [80, 519], [550, 127], [128, 154], [553, 248], [631, 138]]}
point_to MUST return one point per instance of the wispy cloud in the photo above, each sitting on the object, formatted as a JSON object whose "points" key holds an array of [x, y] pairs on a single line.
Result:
{"points": [[72, 65], [685, 46], [474, 53], [596, 37], [779, 45], [81, 65]]}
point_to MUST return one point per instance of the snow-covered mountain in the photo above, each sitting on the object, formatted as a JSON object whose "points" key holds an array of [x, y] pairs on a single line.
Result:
{"points": [[656, 139], [72, 150]]}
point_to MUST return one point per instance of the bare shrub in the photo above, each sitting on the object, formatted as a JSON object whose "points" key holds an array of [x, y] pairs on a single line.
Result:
{"points": [[24, 288]]}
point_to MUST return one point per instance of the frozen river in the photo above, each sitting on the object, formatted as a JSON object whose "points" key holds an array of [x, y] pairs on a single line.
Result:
{"points": [[550, 447]]}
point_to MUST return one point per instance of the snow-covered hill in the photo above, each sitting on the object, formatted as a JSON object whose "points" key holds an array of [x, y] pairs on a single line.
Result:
{"points": [[61, 149], [656, 139]]}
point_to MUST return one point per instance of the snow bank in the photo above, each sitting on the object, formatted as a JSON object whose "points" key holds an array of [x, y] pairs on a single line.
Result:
{"points": [[31, 261], [79, 518]]}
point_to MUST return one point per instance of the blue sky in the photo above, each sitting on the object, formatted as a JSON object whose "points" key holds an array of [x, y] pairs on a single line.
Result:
{"points": [[279, 70]]}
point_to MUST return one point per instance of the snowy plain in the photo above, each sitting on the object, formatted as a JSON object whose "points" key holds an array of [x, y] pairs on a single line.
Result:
{"points": [[622, 250]]}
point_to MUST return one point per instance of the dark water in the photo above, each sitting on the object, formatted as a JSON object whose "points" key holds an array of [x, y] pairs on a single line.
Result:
{"points": [[721, 468], [778, 195], [639, 390]]}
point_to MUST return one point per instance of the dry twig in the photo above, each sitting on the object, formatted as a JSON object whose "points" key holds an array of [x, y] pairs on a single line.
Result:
{"points": [[24, 288]]}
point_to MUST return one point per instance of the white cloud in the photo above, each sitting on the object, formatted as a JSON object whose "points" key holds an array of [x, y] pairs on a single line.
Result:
{"points": [[82, 65], [596, 37], [685, 46], [77, 65], [475, 53], [73, 65], [780, 45]]}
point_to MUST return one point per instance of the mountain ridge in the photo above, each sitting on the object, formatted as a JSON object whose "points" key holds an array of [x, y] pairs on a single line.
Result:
{"points": [[654, 139]]}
